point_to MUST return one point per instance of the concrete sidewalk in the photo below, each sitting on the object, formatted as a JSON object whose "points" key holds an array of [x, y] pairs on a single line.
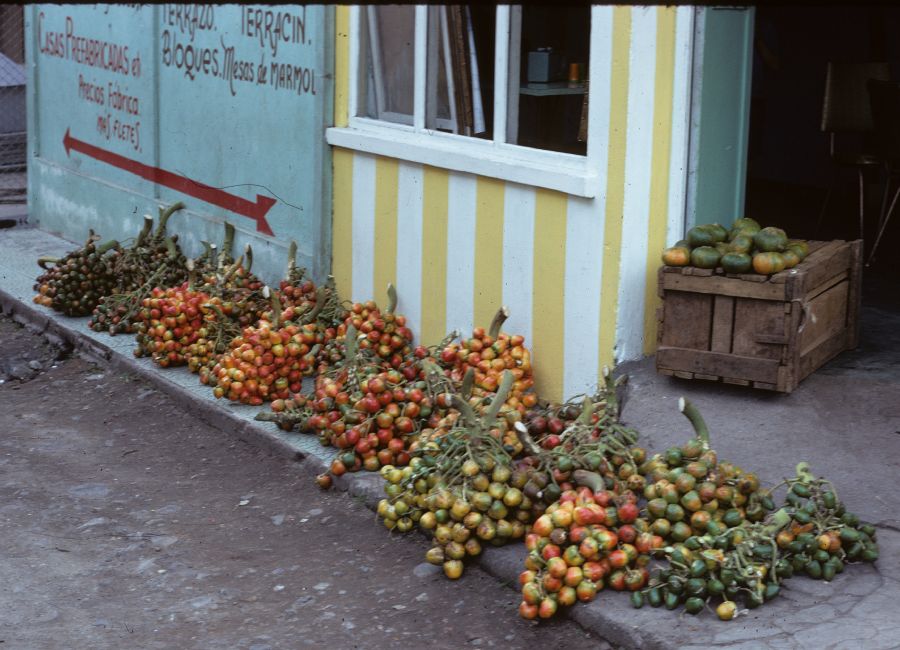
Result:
{"points": [[844, 420]]}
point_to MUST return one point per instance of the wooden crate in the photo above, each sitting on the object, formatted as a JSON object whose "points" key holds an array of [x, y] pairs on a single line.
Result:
{"points": [[754, 330]]}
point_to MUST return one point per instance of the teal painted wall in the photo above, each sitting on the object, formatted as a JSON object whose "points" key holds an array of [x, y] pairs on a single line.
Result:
{"points": [[161, 103]]}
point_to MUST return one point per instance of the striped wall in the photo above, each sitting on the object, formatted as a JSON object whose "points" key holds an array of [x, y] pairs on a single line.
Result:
{"points": [[578, 275]]}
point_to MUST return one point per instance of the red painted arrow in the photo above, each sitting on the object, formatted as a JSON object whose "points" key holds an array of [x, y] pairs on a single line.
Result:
{"points": [[256, 211]]}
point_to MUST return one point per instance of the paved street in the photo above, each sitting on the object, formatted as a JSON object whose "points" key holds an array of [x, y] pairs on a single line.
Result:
{"points": [[127, 523]]}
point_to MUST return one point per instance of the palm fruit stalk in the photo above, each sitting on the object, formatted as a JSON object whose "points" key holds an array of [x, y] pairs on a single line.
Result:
{"points": [[76, 283], [463, 488], [690, 492]]}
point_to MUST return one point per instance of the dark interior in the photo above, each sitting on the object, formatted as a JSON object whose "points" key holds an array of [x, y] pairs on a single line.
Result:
{"points": [[548, 122], [789, 166], [552, 122]]}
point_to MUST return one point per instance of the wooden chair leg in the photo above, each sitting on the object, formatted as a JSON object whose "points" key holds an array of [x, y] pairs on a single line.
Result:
{"points": [[886, 173], [884, 224], [862, 203]]}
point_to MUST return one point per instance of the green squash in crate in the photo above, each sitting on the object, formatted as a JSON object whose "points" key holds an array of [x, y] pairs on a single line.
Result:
{"points": [[770, 240], [700, 236], [741, 243], [744, 226], [705, 257], [736, 262], [799, 247]]}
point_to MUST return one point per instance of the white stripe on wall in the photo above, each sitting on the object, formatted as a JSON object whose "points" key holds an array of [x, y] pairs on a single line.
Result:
{"points": [[409, 240], [518, 258], [636, 206], [363, 227], [681, 107], [460, 252], [599, 106], [584, 271]]}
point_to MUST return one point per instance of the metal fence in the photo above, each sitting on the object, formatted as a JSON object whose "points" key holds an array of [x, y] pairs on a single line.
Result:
{"points": [[13, 157]]}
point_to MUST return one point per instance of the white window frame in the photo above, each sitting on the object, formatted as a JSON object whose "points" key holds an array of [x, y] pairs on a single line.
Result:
{"points": [[497, 158]]}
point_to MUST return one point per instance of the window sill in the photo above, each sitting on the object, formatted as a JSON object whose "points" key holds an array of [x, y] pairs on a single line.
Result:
{"points": [[566, 173]]}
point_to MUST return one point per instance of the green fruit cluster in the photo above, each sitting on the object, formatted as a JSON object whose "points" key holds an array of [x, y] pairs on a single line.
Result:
{"points": [[746, 248]]}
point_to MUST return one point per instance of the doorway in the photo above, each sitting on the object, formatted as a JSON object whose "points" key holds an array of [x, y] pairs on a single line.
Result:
{"points": [[789, 169]]}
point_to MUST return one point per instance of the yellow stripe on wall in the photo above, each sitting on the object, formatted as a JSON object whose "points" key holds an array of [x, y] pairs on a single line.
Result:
{"points": [[435, 186], [488, 250], [342, 222], [549, 281], [659, 166], [341, 64], [385, 253], [615, 188]]}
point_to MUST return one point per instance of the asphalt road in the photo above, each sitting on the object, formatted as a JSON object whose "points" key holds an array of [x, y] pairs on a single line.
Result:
{"points": [[127, 523]]}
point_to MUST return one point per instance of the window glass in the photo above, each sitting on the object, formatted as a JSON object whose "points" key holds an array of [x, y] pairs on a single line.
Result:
{"points": [[548, 51], [548, 54], [388, 52], [460, 87]]}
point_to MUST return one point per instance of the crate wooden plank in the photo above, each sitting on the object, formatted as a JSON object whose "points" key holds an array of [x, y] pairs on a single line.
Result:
{"points": [[683, 375], [686, 319], [785, 382], [718, 363], [666, 372], [827, 315], [765, 385], [825, 263], [759, 328], [815, 244], [791, 358], [823, 353], [723, 323], [854, 296], [724, 286], [825, 286], [697, 375], [736, 381], [750, 277]]}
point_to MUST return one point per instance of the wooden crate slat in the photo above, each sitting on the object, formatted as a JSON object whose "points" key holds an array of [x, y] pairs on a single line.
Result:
{"points": [[814, 245], [785, 379], [759, 329], [723, 323], [854, 297], [830, 261], [750, 277], [826, 351], [825, 286], [826, 315], [717, 363], [724, 286], [681, 314]]}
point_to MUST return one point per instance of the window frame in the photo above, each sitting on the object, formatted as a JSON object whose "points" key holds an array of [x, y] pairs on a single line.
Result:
{"points": [[495, 158]]}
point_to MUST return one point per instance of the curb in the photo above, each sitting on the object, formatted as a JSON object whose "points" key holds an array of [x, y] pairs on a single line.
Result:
{"points": [[207, 412]]}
